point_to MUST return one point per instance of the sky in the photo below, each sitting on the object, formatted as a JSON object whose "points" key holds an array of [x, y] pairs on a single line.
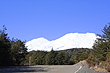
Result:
{"points": [[51, 19]]}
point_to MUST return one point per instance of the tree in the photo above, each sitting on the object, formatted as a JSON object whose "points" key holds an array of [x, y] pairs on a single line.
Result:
{"points": [[82, 55], [101, 47], [39, 57], [5, 45], [18, 51], [50, 57], [59, 59]]}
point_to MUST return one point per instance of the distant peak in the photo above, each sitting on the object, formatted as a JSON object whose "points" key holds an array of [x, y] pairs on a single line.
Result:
{"points": [[79, 34], [70, 40], [41, 38]]}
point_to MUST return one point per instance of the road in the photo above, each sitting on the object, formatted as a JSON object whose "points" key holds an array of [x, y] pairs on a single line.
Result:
{"points": [[77, 68]]}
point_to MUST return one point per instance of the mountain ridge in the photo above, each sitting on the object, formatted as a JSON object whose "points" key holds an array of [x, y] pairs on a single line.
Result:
{"points": [[70, 40]]}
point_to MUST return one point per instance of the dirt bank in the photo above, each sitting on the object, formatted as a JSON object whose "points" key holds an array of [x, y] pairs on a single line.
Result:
{"points": [[96, 68]]}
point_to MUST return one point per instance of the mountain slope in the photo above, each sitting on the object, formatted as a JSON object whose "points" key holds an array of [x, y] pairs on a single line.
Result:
{"points": [[70, 40]]}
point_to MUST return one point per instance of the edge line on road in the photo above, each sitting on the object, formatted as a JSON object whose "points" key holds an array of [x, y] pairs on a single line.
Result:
{"points": [[78, 69]]}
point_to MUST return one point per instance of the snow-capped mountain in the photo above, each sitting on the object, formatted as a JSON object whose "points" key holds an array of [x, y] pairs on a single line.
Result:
{"points": [[70, 40]]}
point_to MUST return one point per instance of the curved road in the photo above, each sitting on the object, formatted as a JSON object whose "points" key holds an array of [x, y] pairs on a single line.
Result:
{"points": [[77, 68]]}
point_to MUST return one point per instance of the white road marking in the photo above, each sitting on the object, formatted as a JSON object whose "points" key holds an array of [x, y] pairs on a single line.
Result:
{"points": [[78, 69]]}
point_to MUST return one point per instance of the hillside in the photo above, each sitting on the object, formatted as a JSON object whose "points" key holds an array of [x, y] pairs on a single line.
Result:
{"points": [[62, 57]]}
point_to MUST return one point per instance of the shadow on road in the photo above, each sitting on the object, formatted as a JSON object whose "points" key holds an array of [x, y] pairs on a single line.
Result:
{"points": [[23, 69]]}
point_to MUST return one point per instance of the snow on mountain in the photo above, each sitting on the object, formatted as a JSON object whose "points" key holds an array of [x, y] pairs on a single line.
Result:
{"points": [[70, 40]]}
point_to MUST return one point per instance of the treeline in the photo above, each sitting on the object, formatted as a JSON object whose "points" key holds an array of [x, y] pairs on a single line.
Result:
{"points": [[63, 57], [12, 52]]}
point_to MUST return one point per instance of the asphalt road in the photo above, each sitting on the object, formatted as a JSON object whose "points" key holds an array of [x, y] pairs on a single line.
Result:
{"points": [[77, 68]]}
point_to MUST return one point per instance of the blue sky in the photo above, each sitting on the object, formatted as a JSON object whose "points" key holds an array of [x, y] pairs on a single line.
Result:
{"points": [[51, 19]]}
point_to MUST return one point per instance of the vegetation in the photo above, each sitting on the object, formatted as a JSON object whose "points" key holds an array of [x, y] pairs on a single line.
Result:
{"points": [[5, 57], [100, 54], [63, 57], [11, 52]]}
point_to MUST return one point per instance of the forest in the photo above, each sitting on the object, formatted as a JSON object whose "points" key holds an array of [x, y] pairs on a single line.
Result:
{"points": [[63, 57], [14, 52]]}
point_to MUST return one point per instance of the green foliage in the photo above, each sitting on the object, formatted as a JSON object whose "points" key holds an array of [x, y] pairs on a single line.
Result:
{"points": [[63, 57], [60, 59], [50, 58], [18, 51], [4, 48], [102, 45], [101, 49], [82, 55], [39, 58], [11, 52]]}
